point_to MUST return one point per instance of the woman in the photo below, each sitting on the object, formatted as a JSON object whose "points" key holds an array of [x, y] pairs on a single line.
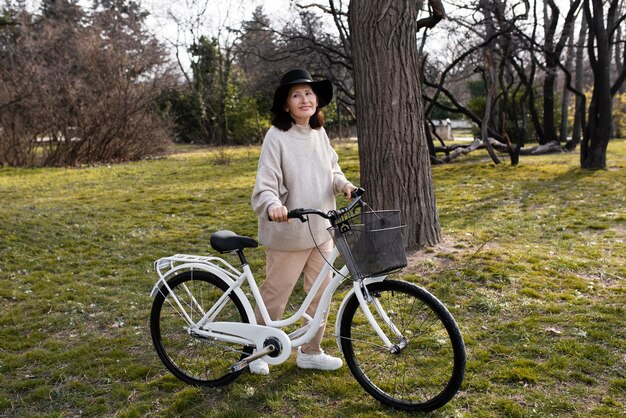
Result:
{"points": [[297, 168]]}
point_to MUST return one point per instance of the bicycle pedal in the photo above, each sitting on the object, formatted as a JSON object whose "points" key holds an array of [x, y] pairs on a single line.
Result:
{"points": [[243, 363], [240, 365]]}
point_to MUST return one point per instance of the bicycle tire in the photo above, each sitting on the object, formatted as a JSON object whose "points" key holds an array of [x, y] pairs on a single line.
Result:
{"points": [[195, 360], [428, 372]]}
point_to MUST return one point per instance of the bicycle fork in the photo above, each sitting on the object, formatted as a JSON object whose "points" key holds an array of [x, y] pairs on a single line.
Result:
{"points": [[365, 300]]}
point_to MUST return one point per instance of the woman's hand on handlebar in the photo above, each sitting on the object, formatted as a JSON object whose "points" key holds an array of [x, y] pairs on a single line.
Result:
{"points": [[278, 214], [348, 191]]}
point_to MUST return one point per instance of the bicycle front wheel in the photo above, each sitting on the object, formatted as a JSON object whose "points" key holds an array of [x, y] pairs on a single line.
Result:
{"points": [[193, 359], [429, 364]]}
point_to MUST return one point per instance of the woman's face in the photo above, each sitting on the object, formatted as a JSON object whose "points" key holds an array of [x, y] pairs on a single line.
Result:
{"points": [[301, 103]]}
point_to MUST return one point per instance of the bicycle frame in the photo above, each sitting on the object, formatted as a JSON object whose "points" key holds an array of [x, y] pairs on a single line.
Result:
{"points": [[253, 333]]}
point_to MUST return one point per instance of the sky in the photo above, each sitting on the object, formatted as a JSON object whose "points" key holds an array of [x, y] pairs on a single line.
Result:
{"points": [[206, 17], [215, 14]]}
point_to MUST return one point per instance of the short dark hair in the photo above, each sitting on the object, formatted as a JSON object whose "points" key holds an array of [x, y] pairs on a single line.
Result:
{"points": [[283, 120]]}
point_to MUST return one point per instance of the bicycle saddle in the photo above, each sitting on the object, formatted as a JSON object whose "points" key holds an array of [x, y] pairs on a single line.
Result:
{"points": [[226, 241]]}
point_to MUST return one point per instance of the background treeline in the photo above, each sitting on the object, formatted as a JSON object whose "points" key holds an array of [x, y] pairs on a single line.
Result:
{"points": [[80, 85], [551, 73], [229, 81]]}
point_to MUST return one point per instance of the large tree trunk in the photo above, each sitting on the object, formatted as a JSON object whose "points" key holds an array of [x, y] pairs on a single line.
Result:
{"points": [[395, 165], [598, 132]]}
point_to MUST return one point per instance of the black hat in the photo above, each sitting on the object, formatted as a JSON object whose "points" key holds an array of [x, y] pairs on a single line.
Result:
{"points": [[323, 88]]}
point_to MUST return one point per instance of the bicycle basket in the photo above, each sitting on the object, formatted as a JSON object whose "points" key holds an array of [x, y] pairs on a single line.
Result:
{"points": [[371, 243]]}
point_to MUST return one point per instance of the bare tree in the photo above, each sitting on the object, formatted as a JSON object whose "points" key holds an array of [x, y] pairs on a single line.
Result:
{"points": [[620, 63], [579, 107], [493, 51], [601, 35], [78, 90], [566, 93], [552, 52]]}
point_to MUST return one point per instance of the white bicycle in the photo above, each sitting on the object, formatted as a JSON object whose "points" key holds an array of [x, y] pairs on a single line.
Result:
{"points": [[399, 341]]}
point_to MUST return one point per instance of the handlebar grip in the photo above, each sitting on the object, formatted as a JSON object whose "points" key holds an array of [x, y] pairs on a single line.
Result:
{"points": [[357, 192], [301, 213], [290, 214], [296, 213]]}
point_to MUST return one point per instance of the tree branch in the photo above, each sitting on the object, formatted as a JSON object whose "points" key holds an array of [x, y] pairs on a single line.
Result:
{"points": [[330, 10], [454, 64], [437, 14]]}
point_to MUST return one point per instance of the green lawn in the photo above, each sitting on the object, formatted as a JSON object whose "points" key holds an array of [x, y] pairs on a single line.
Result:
{"points": [[532, 266]]}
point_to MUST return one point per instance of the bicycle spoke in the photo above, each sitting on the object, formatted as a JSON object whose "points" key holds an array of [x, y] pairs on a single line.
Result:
{"points": [[194, 359], [379, 346], [425, 373]]}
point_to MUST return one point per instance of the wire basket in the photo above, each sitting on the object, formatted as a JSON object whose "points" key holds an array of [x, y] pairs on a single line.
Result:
{"points": [[371, 243]]}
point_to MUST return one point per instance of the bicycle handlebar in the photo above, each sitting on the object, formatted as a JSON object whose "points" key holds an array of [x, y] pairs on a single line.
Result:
{"points": [[357, 196]]}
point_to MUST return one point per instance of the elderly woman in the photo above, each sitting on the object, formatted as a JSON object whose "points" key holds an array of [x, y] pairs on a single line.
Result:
{"points": [[297, 168]]}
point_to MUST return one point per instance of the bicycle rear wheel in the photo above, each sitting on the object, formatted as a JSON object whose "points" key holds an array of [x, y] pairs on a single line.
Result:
{"points": [[422, 376], [196, 360]]}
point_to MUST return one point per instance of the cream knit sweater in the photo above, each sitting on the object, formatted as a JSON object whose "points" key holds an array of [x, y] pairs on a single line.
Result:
{"points": [[297, 169]]}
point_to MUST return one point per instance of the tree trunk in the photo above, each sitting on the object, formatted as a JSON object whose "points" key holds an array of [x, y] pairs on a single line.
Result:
{"points": [[549, 130], [620, 63], [490, 100], [550, 22], [598, 132], [579, 114], [566, 93], [395, 164], [552, 52]]}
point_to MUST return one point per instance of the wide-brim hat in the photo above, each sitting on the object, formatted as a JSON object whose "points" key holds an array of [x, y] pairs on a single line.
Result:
{"points": [[322, 88]]}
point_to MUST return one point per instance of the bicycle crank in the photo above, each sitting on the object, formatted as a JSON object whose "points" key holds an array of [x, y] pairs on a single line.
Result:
{"points": [[271, 347], [243, 363], [270, 343]]}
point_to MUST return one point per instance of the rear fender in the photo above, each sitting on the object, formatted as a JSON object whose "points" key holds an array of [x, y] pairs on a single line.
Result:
{"points": [[209, 269]]}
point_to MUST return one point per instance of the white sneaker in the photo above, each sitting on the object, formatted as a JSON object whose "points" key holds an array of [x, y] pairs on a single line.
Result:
{"points": [[258, 366], [321, 361]]}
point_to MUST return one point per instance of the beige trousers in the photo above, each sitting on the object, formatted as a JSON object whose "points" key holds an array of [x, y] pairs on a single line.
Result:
{"points": [[282, 271]]}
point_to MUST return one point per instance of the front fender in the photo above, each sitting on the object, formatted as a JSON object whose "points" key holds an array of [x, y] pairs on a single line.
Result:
{"points": [[344, 302]]}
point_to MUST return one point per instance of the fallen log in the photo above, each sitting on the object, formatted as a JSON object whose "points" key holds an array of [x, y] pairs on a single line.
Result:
{"points": [[552, 147], [456, 150]]}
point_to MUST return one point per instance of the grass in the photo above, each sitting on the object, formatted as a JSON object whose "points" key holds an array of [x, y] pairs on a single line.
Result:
{"points": [[532, 265]]}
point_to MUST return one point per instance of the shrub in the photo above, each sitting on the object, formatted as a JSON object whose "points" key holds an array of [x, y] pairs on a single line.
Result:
{"points": [[77, 90]]}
